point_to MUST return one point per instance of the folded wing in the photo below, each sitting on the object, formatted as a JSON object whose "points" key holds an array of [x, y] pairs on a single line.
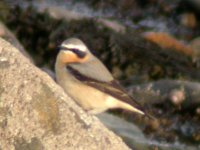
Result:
{"points": [[112, 87]]}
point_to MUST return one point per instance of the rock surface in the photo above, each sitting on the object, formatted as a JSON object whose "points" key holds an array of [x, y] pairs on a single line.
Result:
{"points": [[36, 114]]}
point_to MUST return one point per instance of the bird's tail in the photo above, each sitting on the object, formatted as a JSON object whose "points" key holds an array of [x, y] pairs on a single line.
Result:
{"points": [[134, 109], [130, 108]]}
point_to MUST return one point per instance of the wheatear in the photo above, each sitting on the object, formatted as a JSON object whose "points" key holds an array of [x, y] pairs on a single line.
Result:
{"points": [[84, 78]]}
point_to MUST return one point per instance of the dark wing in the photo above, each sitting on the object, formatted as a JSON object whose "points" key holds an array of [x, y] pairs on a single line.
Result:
{"points": [[112, 88]]}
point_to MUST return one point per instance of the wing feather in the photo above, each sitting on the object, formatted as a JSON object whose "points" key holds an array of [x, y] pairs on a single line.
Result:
{"points": [[112, 88]]}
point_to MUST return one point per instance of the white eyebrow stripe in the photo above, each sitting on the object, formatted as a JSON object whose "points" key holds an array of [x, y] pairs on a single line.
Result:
{"points": [[72, 46]]}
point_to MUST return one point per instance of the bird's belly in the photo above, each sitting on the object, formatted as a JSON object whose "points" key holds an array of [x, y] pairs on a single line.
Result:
{"points": [[88, 97]]}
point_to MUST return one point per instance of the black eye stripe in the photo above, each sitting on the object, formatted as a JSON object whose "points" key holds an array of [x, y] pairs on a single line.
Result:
{"points": [[79, 53]]}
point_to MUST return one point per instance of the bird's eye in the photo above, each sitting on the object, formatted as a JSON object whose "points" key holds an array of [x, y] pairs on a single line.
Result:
{"points": [[74, 50], [79, 53]]}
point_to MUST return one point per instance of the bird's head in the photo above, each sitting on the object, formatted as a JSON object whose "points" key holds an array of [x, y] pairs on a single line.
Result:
{"points": [[73, 50]]}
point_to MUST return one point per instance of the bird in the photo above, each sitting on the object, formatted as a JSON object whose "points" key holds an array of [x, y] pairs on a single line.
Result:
{"points": [[88, 82]]}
